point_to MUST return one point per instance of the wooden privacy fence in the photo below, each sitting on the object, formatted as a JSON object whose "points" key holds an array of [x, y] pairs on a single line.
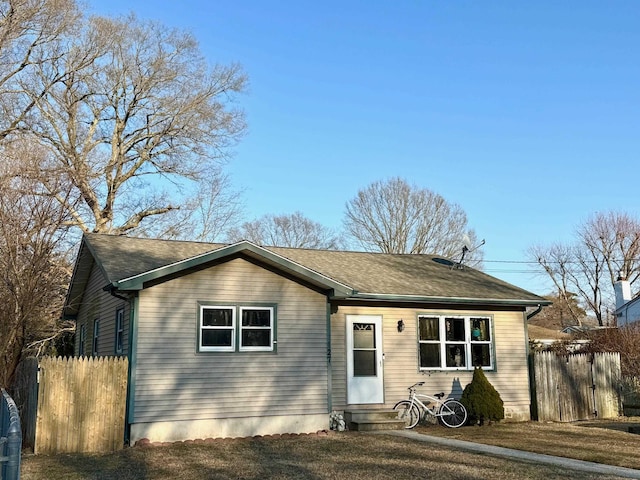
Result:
{"points": [[73, 405], [631, 395], [576, 387]]}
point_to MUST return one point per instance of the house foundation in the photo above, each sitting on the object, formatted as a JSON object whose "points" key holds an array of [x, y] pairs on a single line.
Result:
{"points": [[175, 431]]}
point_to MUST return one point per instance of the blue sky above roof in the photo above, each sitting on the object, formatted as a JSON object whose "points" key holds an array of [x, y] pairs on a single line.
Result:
{"points": [[524, 113]]}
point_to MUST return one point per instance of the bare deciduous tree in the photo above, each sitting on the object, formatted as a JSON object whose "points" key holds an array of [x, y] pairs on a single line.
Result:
{"points": [[559, 262], [138, 119], [624, 340], [395, 217], [214, 209], [31, 36], [614, 237], [104, 123], [217, 209], [564, 311], [607, 245], [295, 230], [33, 271]]}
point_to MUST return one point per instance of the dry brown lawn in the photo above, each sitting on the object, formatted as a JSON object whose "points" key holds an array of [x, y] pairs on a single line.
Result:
{"points": [[349, 455], [601, 441]]}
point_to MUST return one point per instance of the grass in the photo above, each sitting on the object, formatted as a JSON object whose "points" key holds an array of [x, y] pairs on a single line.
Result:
{"points": [[595, 441], [349, 455]]}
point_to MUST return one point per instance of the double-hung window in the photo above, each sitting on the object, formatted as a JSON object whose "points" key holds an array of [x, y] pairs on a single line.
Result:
{"points": [[230, 328], [256, 328], [451, 342], [217, 328]]}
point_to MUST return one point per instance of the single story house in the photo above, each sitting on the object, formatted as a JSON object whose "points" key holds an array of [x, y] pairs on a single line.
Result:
{"points": [[242, 340]]}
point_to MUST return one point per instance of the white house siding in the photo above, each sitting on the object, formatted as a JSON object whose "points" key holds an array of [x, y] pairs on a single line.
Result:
{"points": [[98, 304], [510, 377], [629, 313], [179, 386]]}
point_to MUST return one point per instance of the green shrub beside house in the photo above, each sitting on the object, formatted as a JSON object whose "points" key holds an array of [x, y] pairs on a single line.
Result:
{"points": [[482, 400]]}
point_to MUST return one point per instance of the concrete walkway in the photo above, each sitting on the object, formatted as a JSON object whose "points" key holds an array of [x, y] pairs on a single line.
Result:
{"points": [[572, 464]]}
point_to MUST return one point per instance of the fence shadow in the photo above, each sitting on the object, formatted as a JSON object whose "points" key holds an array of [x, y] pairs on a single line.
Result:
{"points": [[576, 386]]}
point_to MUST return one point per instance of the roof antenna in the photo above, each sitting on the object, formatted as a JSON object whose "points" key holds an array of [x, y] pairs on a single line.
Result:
{"points": [[459, 265]]}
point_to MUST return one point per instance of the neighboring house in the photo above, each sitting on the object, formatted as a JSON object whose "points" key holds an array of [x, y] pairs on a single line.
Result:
{"points": [[241, 340], [627, 307], [541, 338], [581, 330], [570, 339]]}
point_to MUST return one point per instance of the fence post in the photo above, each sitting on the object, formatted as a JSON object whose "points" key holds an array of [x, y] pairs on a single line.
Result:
{"points": [[11, 469], [14, 446]]}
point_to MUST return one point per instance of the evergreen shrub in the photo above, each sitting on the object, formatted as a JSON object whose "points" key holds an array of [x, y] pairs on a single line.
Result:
{"points": [[482, 400]]}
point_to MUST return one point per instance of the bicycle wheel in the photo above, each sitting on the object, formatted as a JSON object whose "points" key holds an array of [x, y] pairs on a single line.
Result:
{"points": [[452, 414], [408, 412]]}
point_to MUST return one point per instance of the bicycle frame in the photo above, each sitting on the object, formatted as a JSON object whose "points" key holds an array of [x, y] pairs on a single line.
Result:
{"points": [[450, 412], [414, 398]]}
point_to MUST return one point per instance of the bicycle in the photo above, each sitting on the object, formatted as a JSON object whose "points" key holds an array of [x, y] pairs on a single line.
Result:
{"points": [[450, 412]]}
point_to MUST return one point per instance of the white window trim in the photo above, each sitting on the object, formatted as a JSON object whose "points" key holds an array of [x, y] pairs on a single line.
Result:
{"points": [[119, 330], [96, 337], [268, 348], [467, 343], [232, 347], [489, 342]]}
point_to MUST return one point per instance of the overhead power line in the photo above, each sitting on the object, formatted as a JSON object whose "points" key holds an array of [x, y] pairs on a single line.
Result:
{"points": [[532, 262]]}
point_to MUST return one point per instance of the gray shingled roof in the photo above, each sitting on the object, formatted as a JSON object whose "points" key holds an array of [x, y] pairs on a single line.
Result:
{"points": [[389, 275], [124, 257]]}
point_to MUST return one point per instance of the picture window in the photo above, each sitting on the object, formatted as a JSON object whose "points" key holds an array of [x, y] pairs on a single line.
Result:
{"points": [[454, 342]]}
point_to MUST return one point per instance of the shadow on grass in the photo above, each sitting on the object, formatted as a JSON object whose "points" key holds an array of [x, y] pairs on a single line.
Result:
{"points": [[349, 456], [120, 465]]}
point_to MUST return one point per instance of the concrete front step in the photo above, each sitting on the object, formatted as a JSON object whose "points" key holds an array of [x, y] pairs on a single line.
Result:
{"points": [[377, 425], [372, 420]]}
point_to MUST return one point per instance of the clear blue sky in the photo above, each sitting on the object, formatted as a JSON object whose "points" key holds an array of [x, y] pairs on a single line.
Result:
{"points": [[526, 114]]}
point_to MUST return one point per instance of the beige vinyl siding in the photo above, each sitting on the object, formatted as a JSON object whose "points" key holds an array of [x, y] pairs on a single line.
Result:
{"points": [[401, 370], [173, 381], [98, 304]]}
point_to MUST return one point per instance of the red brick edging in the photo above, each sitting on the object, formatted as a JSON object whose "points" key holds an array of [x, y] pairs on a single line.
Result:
{"points": [[145, 442]]}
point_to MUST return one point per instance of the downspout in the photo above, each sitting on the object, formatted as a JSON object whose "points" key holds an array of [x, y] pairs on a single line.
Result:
{"points": [[329, 367], [533, 394], [530, 315], [130, 351], [112, 290], [626, 315]]}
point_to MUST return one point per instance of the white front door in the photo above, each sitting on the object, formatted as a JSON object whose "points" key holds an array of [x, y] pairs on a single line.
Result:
{"points": [[364, 359]]}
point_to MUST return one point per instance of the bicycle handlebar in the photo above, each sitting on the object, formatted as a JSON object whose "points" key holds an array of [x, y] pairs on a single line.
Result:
{"points": [[419, 384]]}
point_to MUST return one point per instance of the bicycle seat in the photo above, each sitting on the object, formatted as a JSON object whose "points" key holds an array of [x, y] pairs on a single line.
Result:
{"points": [[439, 395]]}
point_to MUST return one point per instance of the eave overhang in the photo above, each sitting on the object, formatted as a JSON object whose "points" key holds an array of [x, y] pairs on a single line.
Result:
{"points": [[244, 248], [85, 262], [379, 297]]}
